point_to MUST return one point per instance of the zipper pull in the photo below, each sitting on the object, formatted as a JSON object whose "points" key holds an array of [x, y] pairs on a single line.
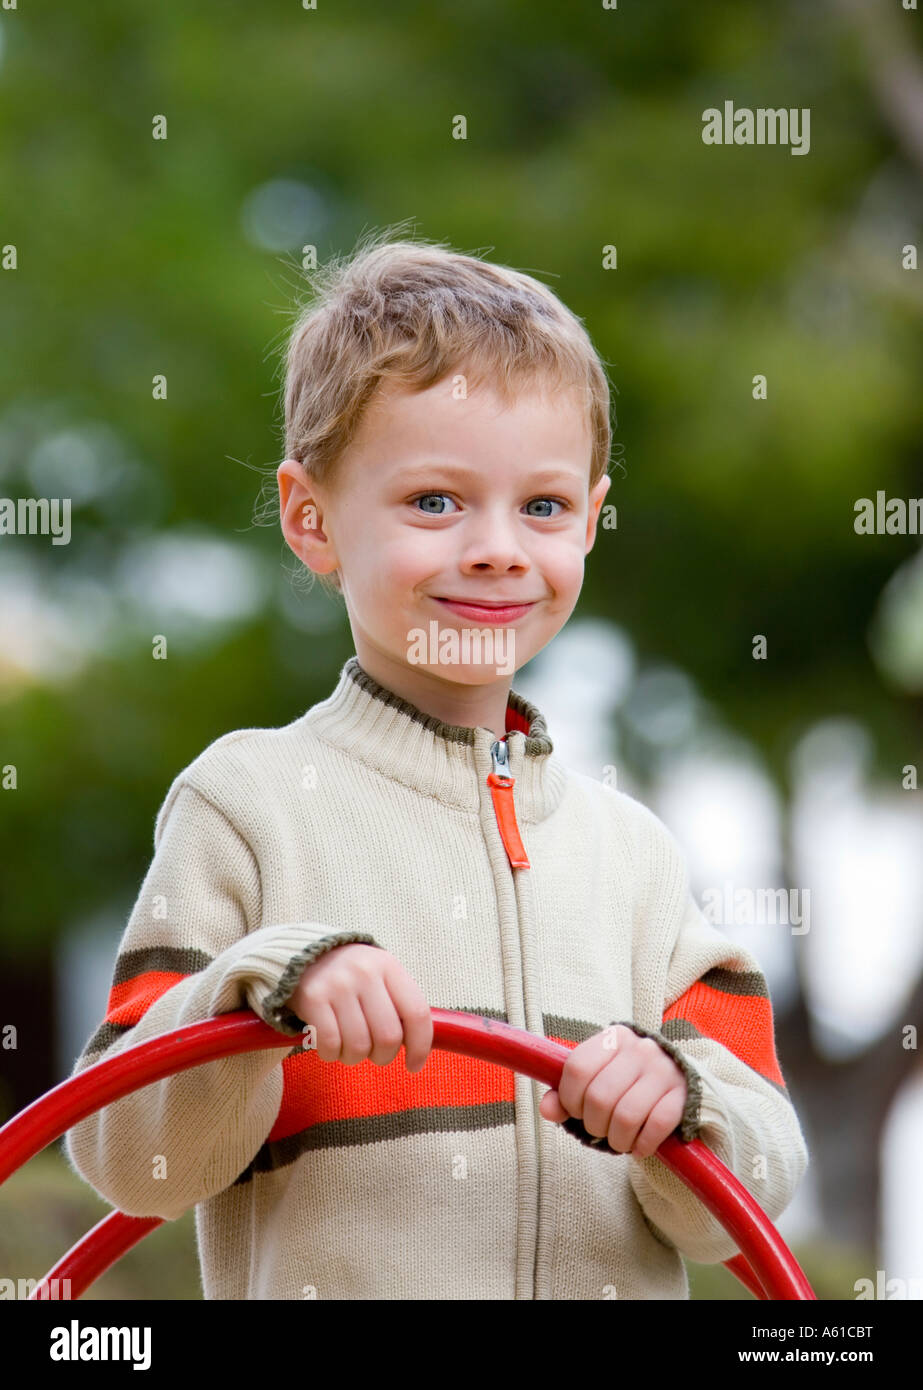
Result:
{"points": [[501, 790]]}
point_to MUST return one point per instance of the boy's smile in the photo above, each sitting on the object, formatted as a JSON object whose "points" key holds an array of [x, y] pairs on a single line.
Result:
{"points": [[440, 502], [496, 612]]}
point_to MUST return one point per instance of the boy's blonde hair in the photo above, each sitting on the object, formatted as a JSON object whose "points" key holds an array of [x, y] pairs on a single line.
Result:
{"points": [[412, 311]]}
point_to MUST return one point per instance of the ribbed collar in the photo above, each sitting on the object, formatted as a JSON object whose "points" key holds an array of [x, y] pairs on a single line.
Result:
{"points": [[447, 761]]}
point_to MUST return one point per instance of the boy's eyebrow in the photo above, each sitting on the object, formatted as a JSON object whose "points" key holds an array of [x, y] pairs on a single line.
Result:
{"points": [[426, 470]]}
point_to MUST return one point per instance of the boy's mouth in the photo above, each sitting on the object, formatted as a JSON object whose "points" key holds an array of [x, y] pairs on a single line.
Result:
{"points": [[490, 611]]}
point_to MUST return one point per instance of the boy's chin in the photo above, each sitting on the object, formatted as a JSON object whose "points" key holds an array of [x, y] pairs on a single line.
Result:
{"points": [[486, 674]]}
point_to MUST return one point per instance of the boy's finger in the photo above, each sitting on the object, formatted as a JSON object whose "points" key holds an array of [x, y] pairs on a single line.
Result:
{"points": [[416, 1018], [551, 1108]]}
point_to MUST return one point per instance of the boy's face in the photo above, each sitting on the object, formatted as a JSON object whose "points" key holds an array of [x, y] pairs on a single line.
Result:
{"points": [[437, 498]]}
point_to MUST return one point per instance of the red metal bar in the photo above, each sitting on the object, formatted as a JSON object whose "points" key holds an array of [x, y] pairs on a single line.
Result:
{"points": [[93, 1254], [27, 1133], [766, 1266], [738, 1265]]}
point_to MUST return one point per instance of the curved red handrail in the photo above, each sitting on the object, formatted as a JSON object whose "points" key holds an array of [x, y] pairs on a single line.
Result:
{"points": [[766, 1265]]}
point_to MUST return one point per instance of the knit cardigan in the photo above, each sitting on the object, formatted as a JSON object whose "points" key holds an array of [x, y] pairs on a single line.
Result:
{"points": [[554, 903]]}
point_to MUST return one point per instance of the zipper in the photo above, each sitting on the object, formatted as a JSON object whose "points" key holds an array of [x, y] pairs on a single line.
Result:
{"points": [[501, 790], [501, 784]]}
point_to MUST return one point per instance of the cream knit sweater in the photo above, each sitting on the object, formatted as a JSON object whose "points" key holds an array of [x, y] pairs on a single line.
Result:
{"points": [[367, 820]]}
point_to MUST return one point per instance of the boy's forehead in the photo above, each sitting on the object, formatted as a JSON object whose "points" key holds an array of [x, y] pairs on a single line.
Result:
{"points": [[403, 428], [558, 411]]}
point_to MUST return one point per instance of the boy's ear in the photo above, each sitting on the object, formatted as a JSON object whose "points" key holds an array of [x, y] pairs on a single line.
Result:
{"points": [[300, 516], [597, 495], [602, 487], [293, 483]]}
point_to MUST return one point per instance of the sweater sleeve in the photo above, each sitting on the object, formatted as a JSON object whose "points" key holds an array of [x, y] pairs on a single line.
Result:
{"points": [[715, 1020], [193, 948]]}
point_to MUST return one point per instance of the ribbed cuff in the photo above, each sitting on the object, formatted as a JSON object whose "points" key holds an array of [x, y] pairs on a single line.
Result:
{"points": [[272, 1009], [690, 1123]]}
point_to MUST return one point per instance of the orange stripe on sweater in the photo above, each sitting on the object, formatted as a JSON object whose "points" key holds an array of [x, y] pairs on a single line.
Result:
{"points": [[740, 1022], [315, 1091], [129, 1001]]}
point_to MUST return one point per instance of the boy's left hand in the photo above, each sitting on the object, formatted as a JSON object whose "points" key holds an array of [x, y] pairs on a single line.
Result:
{"points": [[623, 1087]]}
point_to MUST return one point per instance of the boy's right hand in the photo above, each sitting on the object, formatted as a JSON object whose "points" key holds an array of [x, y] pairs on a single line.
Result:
{"points": [[363, 1004]]}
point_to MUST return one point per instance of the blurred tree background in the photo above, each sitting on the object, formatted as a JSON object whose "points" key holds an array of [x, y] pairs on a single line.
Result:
{"points": [[291, 128]]}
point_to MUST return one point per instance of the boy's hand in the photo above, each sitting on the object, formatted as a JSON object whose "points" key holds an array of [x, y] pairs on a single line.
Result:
{"points": [[364, 1005], [623, 1087]]}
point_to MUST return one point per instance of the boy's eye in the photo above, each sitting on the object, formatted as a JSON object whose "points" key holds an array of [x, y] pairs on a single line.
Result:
{"points": [[565, 505], [426, 496]]}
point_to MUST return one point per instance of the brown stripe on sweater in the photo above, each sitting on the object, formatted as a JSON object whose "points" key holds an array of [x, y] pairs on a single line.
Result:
{"points": [[105, 1035], [174, 960], [376, 1129], [574, 1030], [736, 982]]}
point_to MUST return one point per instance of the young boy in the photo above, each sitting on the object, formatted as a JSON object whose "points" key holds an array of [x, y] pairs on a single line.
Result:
{"points": [[412, 842]]}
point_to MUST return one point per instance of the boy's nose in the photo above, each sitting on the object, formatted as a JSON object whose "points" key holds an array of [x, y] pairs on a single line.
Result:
{"points": [[495, 545]]}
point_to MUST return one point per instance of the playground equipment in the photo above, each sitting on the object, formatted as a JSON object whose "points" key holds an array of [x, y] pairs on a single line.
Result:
{"points": [[765, 1265]]}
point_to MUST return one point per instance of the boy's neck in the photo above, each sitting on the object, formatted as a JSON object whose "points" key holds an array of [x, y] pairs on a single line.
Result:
{"points": [[472, 706]]}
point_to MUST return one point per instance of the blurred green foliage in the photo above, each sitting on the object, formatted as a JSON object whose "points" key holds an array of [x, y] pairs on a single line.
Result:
{"points": [[137, 257]]}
